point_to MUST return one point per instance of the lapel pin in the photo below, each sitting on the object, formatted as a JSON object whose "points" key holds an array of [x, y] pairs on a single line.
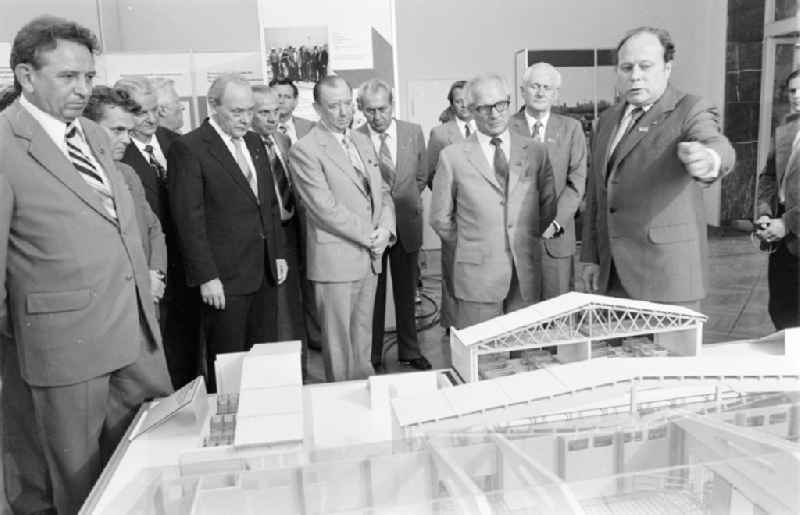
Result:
{"points": [[643, 129]]}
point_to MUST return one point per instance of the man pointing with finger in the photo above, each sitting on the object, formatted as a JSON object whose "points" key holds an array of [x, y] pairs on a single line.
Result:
{"points": [[644, 230]]}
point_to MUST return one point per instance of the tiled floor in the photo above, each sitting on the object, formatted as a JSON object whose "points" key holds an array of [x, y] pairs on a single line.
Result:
{"points": [[736, 305]]}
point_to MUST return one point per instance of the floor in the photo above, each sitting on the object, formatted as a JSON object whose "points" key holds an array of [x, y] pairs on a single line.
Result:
{"points": [[736, 305]]}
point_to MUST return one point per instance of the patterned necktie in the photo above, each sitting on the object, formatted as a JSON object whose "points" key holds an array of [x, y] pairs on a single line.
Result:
{"points": [[279, 172], [628, 123], [387, 165], [467, 131], [161, 173], [358, 166], [93, 177], [500, 162], [537, 131], [238, 145]]}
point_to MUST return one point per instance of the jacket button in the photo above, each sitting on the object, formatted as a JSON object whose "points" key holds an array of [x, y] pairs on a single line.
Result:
{"points": [[129, 277], [612, 210]]}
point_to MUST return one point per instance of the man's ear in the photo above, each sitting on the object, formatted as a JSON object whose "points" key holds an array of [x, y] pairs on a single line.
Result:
{"points": [[23, 72]]}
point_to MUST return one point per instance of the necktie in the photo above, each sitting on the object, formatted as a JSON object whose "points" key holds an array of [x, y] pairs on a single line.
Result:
{"points": [[93, 177], [279, 172], [537, 131], [500, 162], [358, 166], [386, 164], [151, 156], [238, 145], [467, 131], [626, 125]]}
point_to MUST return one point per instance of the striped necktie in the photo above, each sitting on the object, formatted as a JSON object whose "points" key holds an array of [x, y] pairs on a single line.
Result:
{"points": [[279, 172], [388, 170], [151, 156], [87, 169]]}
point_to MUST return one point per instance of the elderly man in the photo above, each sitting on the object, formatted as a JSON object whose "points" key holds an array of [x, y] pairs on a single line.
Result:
{"points": [[401, 153], [115, 111], [74, 287], [566, 148], [291, 319], [493, 196], [778, 210], [292, 126], [350, 221], [459, 128], [226, 212], [644, 230], [170, 109]]}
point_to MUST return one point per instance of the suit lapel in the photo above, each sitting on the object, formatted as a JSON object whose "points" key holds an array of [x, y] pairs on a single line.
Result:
{"points": [[337, 154], [554, 129], [654, 116], [454, 134], [103, 157], [478, 159], [519, 124], [375, 179], [606, 129], [517, 162], [219, 151]]}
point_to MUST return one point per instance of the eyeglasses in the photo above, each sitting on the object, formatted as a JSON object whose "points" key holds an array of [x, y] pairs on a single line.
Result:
{"points": [[541, 87], [500, 107], [372, 111]]}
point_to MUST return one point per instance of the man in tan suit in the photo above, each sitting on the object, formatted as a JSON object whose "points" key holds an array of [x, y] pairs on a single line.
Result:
{"points": [[566, 148], [644, 229], [456, 130], [75, 289], [493, 196], [778, 211], [349, 219]]}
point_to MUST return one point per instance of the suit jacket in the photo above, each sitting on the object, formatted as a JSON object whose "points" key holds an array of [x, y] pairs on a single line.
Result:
{"points": [[302, 126], [411, 178], [75, 286], [778, 165], [441, 136], [223, 230], [336, 207], [645, 211], [566, 148], [492, 233], [155, 248], [155, 189]]}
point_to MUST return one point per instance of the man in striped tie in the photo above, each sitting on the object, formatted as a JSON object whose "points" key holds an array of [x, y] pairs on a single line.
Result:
{"points": [[74, 283]]}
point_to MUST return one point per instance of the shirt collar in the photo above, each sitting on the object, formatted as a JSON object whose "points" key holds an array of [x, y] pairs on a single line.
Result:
{"points": [[153, 142], [532, 120], [461, 123], [227, 138], [485, 139], [391, 131], [54, 127]]}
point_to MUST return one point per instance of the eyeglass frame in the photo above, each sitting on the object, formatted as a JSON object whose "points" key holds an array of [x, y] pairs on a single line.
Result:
{"points": [[486, 109]]}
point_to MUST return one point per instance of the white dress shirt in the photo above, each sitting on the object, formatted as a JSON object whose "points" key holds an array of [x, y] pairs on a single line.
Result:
{"points": [[391, 140], [157, 151], [488, 149], [461, 124], [532, 122]]}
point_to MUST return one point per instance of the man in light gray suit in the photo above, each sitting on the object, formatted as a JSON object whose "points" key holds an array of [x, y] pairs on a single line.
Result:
{"points": [[350, 221], [74, 284], [566, 148], [493, 196], [401, 153]]}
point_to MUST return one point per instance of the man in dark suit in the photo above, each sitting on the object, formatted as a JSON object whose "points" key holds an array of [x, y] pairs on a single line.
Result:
{"points": [[644, 230], [349, 218], [81, 344], [292, 126], [226, 214], [460, 127], [778, 211], [400, 147], [566, 148], [146, 154], [493, 196], [291, 319]]}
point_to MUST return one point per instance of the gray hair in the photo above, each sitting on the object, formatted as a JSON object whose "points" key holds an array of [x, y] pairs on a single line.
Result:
{"points": [[542, 66], [135, 85], [266, 91], [482, 79], [373, 86], [220, 84], [163, 87]]}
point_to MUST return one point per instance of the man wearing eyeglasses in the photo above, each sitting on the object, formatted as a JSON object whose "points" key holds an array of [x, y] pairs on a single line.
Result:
{"points": [[566, 148], [226, 213], [493, 196], [400, 147], [349, 218], [644, 229]]}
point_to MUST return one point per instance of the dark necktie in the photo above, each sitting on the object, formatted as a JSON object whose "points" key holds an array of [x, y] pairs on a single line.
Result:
{"points": [[537, 131], [467, 131], [88, 171], [500, 162], [278, 171], [386, 164], [151, 157]]}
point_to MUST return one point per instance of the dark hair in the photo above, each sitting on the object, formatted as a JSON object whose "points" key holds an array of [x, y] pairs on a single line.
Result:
{"points": [[284, 82], [459, 84], [663, 37], [7, 96], [104, 96], [41, 35], [331, 81]]}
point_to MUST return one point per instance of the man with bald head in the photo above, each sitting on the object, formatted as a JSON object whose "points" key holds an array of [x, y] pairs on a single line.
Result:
{"points": [[493, 196], [350, 222], [566, 148], [653, 153], [228, 222]]}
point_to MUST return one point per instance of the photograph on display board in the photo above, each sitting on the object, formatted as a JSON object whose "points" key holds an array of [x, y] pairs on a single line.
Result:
{"points": [[299, 54]]}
